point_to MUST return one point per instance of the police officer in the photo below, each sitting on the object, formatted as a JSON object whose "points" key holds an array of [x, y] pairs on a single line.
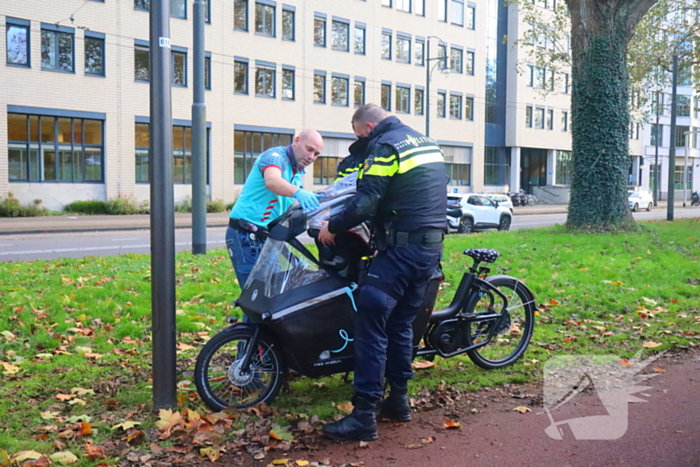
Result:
{"points": [[401, 187], [354, 161], [270, 189]]}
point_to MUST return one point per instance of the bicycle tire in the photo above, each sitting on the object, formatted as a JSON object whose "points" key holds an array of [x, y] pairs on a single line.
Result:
{"points": [[515, 329], [219, 381]]}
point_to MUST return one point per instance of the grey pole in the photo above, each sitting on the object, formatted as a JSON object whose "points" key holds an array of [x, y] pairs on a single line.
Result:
{"points": [[162, 212], [672, 148], [427, 87], [656, 155], [686, 141], [199, 138]]}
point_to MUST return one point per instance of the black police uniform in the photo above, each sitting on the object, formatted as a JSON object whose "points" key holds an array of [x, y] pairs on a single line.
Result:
{"points": [[401, 187], [354, 161]]}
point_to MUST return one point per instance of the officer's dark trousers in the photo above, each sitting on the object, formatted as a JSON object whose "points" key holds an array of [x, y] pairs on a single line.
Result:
{"points": [[387, 303]]}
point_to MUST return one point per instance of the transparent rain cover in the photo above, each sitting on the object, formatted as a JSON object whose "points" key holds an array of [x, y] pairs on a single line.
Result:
{"points": [[280, 266]]}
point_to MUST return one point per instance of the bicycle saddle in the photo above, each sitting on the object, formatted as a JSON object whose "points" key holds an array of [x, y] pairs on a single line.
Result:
{"points": [[486, 255]]}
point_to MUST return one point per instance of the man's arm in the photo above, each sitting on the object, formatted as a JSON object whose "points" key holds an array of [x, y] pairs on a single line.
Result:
{"points": [[375, 181], [276, 184]]}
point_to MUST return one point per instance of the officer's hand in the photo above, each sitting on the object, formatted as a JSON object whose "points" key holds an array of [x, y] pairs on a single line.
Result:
{"points": [[307, 200], [325, 237]]}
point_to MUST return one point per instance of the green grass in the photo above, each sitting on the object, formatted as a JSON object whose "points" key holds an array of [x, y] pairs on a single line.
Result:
{"points": [[85, 323]]}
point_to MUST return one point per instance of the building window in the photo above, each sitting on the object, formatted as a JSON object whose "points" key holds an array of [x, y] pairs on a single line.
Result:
{"points": [[678, 177], [340, 36], [441, 111], [680, 135], [456, 60], [403, 49], [288, 84], [240, 15], [247, 146], [418, 101], [54, 149], [455, 106], [496, 165], [564, 168], [386, 96], [457, 12], [539, 118], [420, 7], [528, 116], [142, 5], [403, 5], [320, 31], [141, 63], [567, 86], [471, 17], [459, 174], [530, 75], [442, 53], [683, 106], [320, 88], [469, 108], [179, 67], [359, 93], [182, 154], [264, 81], [57, 50], [403, 99], [207, 72], [539, 78], [240, 77], [386, 45], [94, 55], [264, 19], [207, 11], [565, 121], [17, 42], [657, 135], [288, 24], [550, 79], [178, 9], [550, 119], [442, 10], [420, 53], [360, 40], [386, 3], [339, 90], [324, 169]]}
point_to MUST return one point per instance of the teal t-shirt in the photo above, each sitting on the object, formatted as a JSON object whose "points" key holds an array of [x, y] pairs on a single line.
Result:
{"points": [[256, 203]]}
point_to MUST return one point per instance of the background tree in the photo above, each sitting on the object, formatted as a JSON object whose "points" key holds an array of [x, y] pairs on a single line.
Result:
{"points": [[617, 51]]}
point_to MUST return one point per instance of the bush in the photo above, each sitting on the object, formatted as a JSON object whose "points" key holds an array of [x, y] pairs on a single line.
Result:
{"points": [[86, 207], [185, 205], [229, 206], [11, 207], [216, 206], [122, 205]]}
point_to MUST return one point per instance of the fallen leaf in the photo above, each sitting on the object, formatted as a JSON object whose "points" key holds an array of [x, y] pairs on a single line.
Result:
{"points": [[280, 461], [94, 452], [279, 432], [302, 462], [26, 455], [553, 302], [522, 409], [64, 458], [651, 345], [10, 369], [423, 364], [212, 453], [65, 397], [85, 429], [8, 335], [450, 424], [183, 346], [345, 407], [82, 392], [659, 370], [126, 425], [625, 362], [49, 415]]}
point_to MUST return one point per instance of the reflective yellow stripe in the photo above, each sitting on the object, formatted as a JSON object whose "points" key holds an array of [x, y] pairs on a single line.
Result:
{"points": [[405, 154], [390, 158], [414, 162], [382, 170]]}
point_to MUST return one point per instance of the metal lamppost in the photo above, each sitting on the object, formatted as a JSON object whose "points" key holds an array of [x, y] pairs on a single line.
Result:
{"points": [[672, 148], [428, 73], [657, 174]]}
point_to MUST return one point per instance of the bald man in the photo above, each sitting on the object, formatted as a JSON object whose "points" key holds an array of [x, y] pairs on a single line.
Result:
{"points": [[272, 186]]}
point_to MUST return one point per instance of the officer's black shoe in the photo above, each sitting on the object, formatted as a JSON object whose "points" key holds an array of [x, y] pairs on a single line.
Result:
{"points": [[360, 425], [396, 406]]}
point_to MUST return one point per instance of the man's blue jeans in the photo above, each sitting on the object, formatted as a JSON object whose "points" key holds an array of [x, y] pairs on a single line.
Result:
{"points": [[244, 250]]}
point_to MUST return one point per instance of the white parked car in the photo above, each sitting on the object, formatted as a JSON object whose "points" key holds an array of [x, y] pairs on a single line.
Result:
{"points": [[478, 213], [640, 200], [502, 200]]}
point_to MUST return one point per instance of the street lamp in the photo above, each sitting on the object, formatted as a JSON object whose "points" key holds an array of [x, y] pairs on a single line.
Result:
{"points": [[685, 163], [428, 73]]}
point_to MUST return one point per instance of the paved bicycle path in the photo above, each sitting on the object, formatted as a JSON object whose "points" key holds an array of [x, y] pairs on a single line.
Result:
{"points": [[665, 431]]}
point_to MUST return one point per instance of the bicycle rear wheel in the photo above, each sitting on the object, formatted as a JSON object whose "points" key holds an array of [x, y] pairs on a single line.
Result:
{"points": [[222, 381], [511, 324]]}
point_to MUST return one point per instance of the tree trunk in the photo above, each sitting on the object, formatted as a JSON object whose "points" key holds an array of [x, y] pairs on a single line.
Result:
{"points": [[601, 31]]}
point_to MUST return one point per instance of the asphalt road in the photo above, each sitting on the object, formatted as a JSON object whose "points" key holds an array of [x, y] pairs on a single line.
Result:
{"points": [[42, 246]]}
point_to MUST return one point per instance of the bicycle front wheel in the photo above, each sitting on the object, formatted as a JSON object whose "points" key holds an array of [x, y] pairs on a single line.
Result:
{"points": [[505, 314], [222, 381]]}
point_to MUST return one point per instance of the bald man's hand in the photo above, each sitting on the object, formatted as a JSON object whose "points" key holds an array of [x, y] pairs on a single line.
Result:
{"points": [[325, 236]]}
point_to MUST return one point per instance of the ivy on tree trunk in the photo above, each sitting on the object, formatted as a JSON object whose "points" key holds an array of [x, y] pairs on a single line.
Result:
{"points": [[600, 33]]}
